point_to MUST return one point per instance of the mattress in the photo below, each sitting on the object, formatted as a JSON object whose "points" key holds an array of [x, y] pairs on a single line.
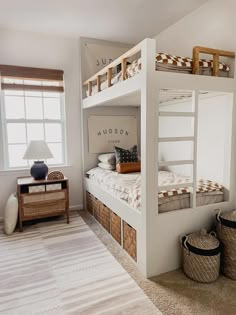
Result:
{"points": [[127, 187], [168, 63]]}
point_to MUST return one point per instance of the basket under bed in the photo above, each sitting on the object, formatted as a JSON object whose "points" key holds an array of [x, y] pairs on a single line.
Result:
{"points": [[121, 231]]}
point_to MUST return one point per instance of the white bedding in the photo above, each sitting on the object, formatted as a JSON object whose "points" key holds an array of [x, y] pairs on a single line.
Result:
{"points": [[121, 185], [128, 188]]}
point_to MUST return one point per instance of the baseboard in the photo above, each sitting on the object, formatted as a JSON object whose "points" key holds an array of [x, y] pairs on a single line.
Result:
{"points": [[72, 208], [77, 207]]}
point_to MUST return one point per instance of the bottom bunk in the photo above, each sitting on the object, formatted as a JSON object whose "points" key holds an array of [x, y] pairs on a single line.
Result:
{"points": [[127, 187], [126, 225]]}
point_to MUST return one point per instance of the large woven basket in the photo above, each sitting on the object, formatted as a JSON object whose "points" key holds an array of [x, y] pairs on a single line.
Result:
{"points": [[116, 227], [105, 217], [201, 256], [129, 240], [226, 230]]}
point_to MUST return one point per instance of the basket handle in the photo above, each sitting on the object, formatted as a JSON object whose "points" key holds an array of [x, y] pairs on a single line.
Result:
{"points": [[213, 233], [218, 212], [183, 240]]}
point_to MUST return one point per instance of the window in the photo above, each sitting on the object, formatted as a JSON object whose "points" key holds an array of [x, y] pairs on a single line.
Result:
{"points": [[32, 108]]}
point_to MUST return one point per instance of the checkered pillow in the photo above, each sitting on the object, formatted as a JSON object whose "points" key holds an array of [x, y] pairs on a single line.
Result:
{"points": [[125, 156]]}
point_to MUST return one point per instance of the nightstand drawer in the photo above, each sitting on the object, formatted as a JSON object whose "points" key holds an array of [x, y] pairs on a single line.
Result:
{"points": [[52, 187], [35, 205], [47, 196]]}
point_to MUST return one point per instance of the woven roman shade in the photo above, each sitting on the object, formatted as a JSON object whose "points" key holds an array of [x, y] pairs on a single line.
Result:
{"points": [[31, 79]]}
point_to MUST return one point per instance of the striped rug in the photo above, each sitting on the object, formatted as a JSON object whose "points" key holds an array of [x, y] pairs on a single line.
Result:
{"points": [[54, 268]]}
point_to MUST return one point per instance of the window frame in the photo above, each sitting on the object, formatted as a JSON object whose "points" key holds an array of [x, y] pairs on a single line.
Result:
{"points": [[5, 163]]}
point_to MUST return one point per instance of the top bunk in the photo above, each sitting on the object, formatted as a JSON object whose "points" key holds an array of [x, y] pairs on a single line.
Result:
{"points": [[121, 82]]}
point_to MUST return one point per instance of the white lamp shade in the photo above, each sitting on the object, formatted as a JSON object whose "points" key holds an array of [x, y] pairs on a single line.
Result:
{"points": [[37, 150]]}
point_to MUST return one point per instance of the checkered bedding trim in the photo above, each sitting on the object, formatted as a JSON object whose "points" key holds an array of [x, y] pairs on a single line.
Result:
{"points": [[161, 59], [187, 62], [203, 186], [128, 186], [180, 62]]}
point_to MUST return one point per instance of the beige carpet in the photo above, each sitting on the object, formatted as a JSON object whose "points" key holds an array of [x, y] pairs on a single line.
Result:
{"points": [[53, 268], [173, 293]]}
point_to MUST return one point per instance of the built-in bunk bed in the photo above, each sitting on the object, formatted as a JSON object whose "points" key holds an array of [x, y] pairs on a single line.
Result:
{"points": [[148, 211]]}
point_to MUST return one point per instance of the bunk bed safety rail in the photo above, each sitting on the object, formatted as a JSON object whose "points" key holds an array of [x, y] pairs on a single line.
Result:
{"points": [[176, 114], [108, 69], [216, 53], [170, 187], [174, 139], [174, 163]]}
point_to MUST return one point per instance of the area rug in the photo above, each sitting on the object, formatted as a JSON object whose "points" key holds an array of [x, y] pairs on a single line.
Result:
{"points": [[55, 268], [173, 293]]}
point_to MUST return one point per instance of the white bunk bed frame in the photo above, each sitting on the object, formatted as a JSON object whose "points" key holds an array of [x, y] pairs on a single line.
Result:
{"points": [[158, 247]]}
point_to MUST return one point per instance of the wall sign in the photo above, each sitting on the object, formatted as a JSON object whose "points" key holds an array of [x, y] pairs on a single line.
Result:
{"points": [[98, 56], [105, 132]]}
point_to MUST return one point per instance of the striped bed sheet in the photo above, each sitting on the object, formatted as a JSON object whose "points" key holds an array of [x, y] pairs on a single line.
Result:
{"points": [[128, 188]]}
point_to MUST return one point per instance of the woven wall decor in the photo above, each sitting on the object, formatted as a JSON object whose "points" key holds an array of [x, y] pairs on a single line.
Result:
{"points": [[55, 175]]}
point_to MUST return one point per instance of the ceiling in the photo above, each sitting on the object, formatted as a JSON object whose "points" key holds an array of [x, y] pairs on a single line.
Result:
{"points": [[117, 20]]}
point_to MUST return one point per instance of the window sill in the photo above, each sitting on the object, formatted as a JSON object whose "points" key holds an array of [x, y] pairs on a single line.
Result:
{"points": [[25, 171]]}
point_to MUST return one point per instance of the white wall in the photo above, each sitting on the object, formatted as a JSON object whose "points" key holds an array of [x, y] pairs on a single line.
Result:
{"points": [[177, 127], [212, 25], [214, 133], [35, 50]]}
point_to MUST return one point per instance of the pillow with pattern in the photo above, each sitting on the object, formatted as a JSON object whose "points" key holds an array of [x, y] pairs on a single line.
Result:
{"points": [[125, 156]]}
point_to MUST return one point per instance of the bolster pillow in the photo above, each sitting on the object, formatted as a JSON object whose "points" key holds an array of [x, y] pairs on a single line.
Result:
{"points": [[128, 167]]}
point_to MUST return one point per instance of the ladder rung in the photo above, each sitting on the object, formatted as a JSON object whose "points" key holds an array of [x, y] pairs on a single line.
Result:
{"points": [[174, 139], [176, 114], [169, 187], [180, 162]]}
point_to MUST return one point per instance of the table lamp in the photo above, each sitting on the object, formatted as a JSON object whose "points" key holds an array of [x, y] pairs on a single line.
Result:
{"points": [[38, 150]]}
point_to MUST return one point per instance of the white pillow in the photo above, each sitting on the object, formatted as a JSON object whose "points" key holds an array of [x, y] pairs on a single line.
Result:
{"points": [[107, 166], [11, 214], [107, 158]]}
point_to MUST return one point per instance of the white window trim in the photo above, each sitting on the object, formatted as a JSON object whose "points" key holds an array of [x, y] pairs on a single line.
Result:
{"points": [[25, 171], [4, 162]]}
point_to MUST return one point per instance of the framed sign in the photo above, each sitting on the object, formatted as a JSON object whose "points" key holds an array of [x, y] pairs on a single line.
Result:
{"points": [[105, 132], [97, 56]]}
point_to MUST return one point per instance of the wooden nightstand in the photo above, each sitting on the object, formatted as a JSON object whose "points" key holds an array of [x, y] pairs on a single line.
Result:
{"points": [[42, 198]]}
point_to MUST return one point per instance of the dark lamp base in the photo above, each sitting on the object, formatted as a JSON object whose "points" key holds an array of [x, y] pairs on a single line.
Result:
{"points": [[39, 170]]}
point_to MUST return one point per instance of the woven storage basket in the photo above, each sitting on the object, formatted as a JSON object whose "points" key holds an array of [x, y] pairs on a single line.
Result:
{"points": [[201, 256], [116, 227], [89, 199], [226, 230], [105, 217], [129, 240], [96, 208]]}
